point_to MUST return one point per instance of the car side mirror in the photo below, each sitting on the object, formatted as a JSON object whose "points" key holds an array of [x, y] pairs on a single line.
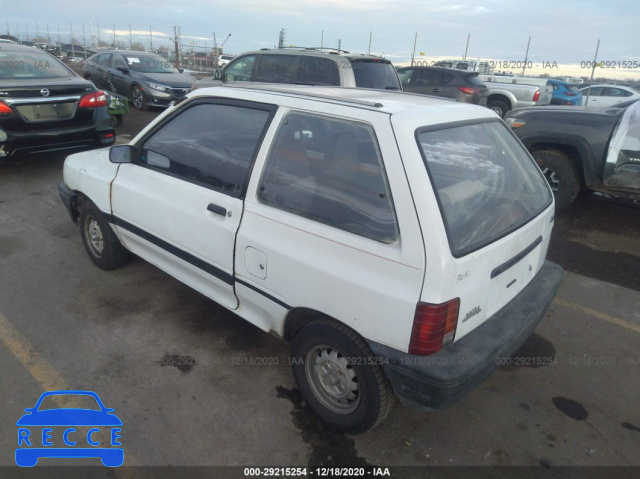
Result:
{"points": [[124, 70], [121, 154], [217, 74]]}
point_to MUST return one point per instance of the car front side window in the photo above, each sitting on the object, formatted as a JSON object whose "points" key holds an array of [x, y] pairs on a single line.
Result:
{"points": [[210, 144], [240, 69]]}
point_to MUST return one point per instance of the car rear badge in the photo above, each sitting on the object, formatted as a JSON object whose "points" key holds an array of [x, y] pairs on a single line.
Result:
{"points": [[472, 313], [45, 92]]}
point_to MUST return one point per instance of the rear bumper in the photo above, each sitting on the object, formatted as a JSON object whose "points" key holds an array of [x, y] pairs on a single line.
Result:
{"points": [[440, 380], [56, 141]]}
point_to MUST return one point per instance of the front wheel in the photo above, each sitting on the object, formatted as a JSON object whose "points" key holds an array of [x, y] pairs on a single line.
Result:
{"points": [[137, 98], [99, 240], [339, 378], [561, 173]]}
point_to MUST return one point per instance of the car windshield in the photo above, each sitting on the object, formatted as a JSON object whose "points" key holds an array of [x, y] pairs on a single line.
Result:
{"points": [[149, 64], [30, 64], [77, 401], [486, 183], [375, 73]]}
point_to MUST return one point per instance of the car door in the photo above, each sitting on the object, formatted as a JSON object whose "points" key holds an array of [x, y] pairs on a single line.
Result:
{"points": [[100, 71], [120, 81], [613, 95], [179, 204], [591, 96]]}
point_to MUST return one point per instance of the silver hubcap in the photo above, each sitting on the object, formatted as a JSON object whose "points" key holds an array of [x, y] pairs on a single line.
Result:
{"points": [[94, 235], [137, 98], [333, 381], [551, 177]]}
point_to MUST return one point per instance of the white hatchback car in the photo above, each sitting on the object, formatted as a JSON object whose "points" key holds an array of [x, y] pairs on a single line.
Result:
{"points": [[397, 241]]}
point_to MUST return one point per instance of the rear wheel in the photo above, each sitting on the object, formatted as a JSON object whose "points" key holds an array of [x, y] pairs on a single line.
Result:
{"points": [[562, 175], [500, 107], [99, 240], [339, 378]]}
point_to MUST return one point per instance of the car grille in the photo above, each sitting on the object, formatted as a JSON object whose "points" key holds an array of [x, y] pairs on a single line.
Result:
{"points": [[180, 91]]}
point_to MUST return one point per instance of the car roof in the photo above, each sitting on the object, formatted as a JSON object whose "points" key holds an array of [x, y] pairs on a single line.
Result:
{"points": [[131, 52], [385, 101], [15, 47], [313, 52], [440, 69]]}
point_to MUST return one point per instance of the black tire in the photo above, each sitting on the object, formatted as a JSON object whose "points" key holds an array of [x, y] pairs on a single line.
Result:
{"points": [[500, 107], [137, 98], [353, 395], [562, 175], [99, 240]]}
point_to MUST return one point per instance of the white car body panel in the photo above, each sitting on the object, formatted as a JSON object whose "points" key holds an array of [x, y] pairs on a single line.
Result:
{"points": [[91, 173]]}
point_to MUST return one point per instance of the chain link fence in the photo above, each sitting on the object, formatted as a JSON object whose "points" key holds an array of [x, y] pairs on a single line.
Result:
{"points": [[576, 61]]}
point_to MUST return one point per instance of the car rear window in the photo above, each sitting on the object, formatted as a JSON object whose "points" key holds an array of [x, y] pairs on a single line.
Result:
{"points": [[375, 73], [474, 80], [572, 88], [486, 183], [26, 65]]}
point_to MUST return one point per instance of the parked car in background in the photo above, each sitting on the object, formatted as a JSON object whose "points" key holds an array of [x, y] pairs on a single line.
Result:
{"points": [[307, 67], [397, 241], [584, 148], [460, 85], [510, 92], [607, 95], [224, 59], [67, 50], [145, 78], [565, 93], [46, 107]]}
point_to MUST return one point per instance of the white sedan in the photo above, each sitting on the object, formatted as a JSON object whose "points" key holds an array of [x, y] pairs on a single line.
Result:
{"points": [[608, 95]]}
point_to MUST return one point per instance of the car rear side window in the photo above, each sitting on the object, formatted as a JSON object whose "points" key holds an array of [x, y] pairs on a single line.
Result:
{"points": [[330, 171], [276, 68], [210, 144], [474, 80], [375, 73], [318, 71], [486, 183]]}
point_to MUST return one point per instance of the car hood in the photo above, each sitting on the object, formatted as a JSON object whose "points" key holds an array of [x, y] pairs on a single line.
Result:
{"points": [[69, 417], [173, 80]]}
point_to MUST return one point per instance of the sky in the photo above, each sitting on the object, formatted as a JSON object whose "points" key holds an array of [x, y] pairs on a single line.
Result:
{"points": [[564, 32]]}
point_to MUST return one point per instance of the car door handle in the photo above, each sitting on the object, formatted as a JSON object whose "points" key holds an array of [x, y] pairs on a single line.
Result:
{"points": [[219, 210], [436, 90]]}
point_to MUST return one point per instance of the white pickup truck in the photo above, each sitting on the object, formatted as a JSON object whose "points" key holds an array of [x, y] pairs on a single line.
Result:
{"points": [[509, 92]]}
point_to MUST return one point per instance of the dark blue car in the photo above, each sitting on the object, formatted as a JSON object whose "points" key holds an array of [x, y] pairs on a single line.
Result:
{"points": [[565, 93], [96, 416]]}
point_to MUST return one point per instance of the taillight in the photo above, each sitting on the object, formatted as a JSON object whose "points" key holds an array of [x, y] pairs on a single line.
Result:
{"points": [[468, 90], [93, 100], [434, 325], [4, 108], [568, 93], [536, 95]]}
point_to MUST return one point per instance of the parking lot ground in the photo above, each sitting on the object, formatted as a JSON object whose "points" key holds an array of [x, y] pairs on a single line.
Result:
{"points": [[196, 385]]}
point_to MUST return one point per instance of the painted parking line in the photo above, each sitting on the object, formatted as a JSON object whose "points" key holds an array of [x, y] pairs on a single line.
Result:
{"points": [[50, 380], [597, 314]]}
